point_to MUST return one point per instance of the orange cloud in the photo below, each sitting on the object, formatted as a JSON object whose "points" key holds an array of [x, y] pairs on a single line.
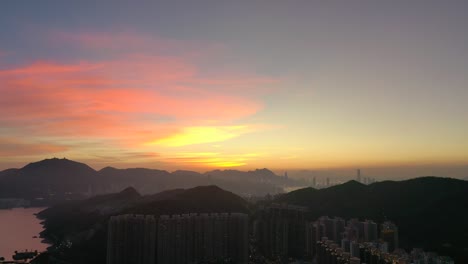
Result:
{"points": [[212, 159]]}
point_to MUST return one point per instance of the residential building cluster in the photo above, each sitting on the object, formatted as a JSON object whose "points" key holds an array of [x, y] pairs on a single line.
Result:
{"points": [[330, 241], [186, 238], [336, 241], [329, 252], [283, 233]]}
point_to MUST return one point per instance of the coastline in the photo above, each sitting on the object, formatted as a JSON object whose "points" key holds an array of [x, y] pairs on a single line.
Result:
{"points": [[42, 235]]}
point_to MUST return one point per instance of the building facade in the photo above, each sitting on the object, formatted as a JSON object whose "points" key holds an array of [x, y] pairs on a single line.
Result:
{"points": [[186, 238], [193, 238], [131, 239], [280, 231]]}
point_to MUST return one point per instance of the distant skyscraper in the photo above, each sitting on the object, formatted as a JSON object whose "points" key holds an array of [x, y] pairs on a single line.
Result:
{"points": [[354, 248], [333, 228], [286, 174], [370, 231], [328, 182], [312, 236], [346, 244], [358, 175], [131, 239], [389, 234], [314, 182], [325, 228]]}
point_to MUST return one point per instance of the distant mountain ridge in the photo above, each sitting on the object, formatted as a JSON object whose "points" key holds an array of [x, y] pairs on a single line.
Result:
{"points": [[63, 179], [429, 211]]}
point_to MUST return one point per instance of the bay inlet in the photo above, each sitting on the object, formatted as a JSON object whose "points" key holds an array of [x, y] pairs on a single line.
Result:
{"points": [[19, 231]]}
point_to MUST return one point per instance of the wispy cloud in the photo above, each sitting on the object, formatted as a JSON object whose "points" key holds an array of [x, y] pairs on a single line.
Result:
{"points": [[15, 147], [3, 53]]}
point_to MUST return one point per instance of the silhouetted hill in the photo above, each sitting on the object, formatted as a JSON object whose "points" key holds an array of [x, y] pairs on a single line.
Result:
{"points": [[164, 195], [144, 180], [421, 206], [256, 175], [215, 198], [266, 173], [56, 168], [84, 222], [198, 199], [141, 172], [186, 173], [76, 217], [50, 176], [257, 182], [7, 172]]}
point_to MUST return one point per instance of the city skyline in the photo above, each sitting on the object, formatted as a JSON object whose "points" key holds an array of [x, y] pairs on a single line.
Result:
{"points": [[207, 85]]}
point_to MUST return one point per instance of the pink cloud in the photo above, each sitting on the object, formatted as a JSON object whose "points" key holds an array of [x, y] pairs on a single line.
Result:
{"points": [[184, 54], [135, 97], [47, 68], [30, 92]]}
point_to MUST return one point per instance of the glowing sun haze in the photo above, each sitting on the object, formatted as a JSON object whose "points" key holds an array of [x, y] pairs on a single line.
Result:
{"points": [[220, 84]]}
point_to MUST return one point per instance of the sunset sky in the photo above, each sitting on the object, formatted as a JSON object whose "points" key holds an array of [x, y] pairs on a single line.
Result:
{"points": [[237, 84]]}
